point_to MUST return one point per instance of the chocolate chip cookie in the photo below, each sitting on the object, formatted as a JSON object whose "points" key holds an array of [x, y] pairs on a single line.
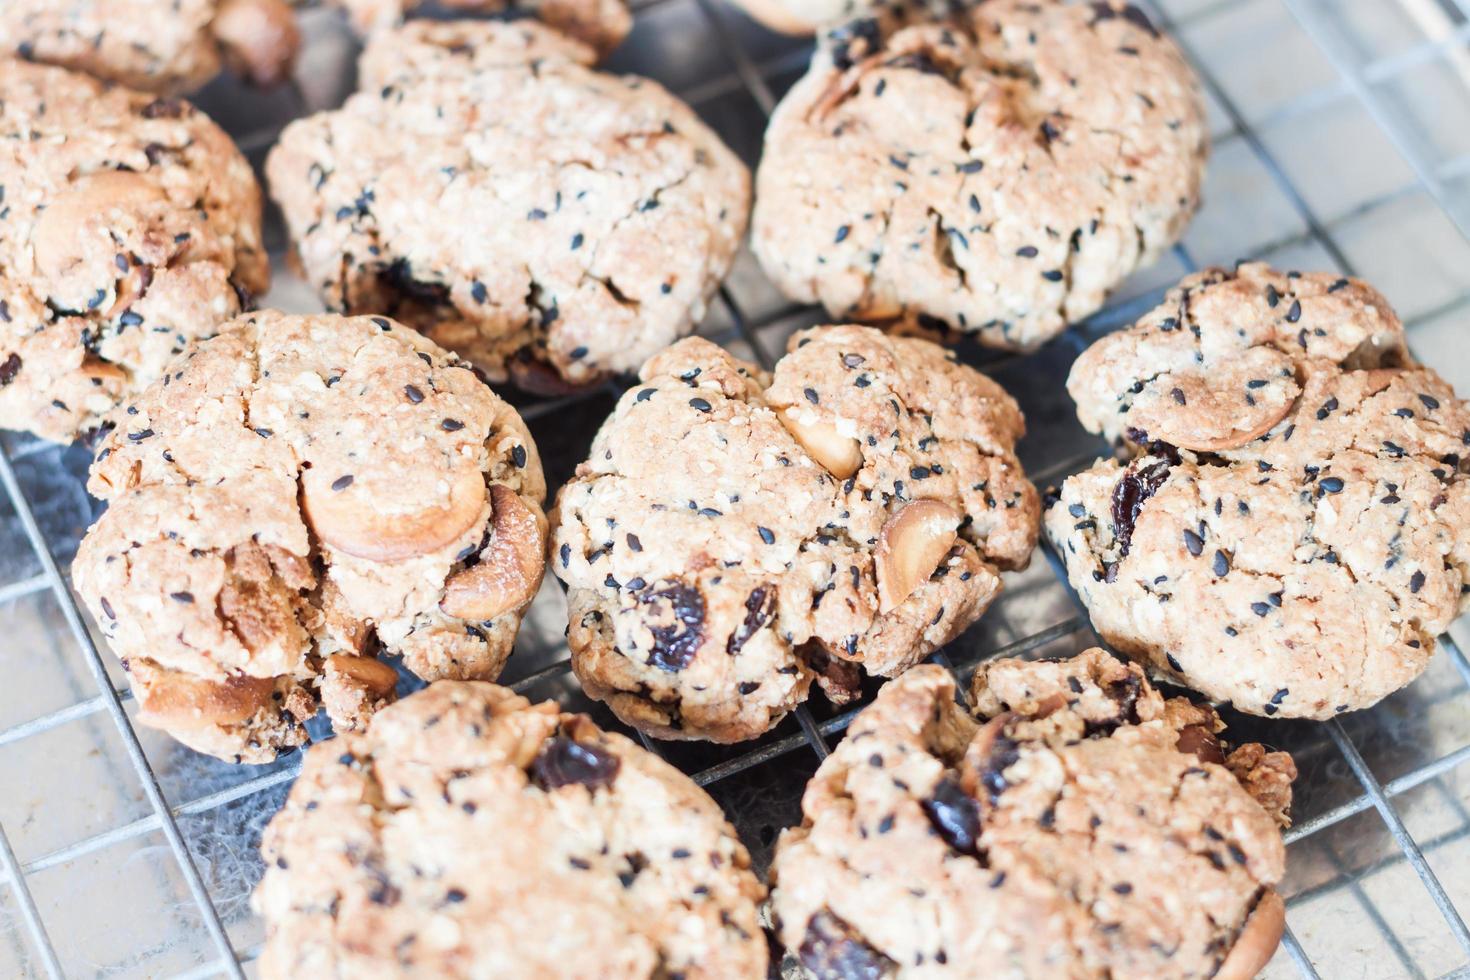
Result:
{"points": [[734, 536], [162, 46], [600, 23], [470, 833], [294, 497], [553, 223], [996, 173], [1294, 530], [129, 225], [1086, 827]]}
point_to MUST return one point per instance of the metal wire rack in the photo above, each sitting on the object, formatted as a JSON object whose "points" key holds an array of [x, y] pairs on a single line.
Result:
{"points": [[124, 854]]}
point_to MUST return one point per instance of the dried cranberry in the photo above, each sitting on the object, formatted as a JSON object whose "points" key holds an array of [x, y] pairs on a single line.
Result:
{"points": [[9, 369], [831, 952], [760, 606], [564, 762], [1199, 741], [1129, 496], [956, 815], [675, 645]]}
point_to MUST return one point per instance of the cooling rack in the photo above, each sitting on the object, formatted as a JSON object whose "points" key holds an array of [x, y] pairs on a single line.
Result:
{"points": [[1342, 141]]}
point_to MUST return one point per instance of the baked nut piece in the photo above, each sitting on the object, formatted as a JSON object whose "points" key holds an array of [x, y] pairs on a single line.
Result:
{"points": [[470, 833], [602, 24], [166, 47], [1295, 530], [996, 173], [129, 225], [734, 536], [297, 495], [1088, 829], [553, 222]]}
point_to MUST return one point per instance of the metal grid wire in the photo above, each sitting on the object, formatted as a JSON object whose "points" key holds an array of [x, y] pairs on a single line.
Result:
{"points": [[800, 745]]}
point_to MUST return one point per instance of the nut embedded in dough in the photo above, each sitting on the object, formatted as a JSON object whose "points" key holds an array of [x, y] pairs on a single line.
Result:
{"points": [[174, 699], [910, 547], [1257, 941], [840, 454], [347, 518], [510, 568]]}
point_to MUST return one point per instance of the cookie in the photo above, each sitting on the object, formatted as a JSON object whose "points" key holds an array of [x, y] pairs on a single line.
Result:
{"points": [[470, 833], [167, 47], [996, 173], [602, 24], [129, 225], [553, 223], [734, 536], [1085, 827], [1294, 531], [298, 495]]}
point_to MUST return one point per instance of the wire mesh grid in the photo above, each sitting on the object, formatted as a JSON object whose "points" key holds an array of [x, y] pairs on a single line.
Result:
{"points": [[124, 854]]}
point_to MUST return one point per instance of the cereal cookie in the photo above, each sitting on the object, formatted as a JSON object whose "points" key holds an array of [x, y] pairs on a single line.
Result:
{"points": [[297, 495], [470, 833], [600, 23], [552, 222], [1294, 531], [1087, 829], [735, 536], [128, 226], [997, 173], [162, 46]]}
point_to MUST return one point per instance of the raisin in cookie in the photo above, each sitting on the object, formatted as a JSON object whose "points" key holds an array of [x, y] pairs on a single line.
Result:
{"points": [[161, 46], [1295, 529], [552, 222], [997, 173], [298, 494], [128, 226], [1088, 828], [734, 536], [600, 23], [470, 833]]}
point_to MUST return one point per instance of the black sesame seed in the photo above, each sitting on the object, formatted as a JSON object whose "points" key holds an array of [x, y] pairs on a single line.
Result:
{"points": [[1222, 564], [1178, 395], [646, 394], [342, 482], [1027, 251], [811, 395], [478, 292], [1193, 542], [766, 535], [451, 425], [841, 234], [1330, 484], [699, 404], [1416, 582], [1260, 608], [1295, 312], [413, 393], [184, 597]]}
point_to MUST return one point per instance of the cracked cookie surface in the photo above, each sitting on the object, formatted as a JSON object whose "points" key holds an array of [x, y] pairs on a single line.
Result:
{"points": [[470, 833], [553, 223], [1294, 531], [734, 536], [166, 47], [299, 494], [1085, 827], [996, 174], [129, 225], [600, 23]]}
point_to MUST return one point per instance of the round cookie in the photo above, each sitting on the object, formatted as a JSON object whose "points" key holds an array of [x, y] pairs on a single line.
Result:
{"points": [[299, 494], [1295, 531], [734, 536], [166, 47], [470, 833], [553, 223], [1088, 828], [602, 24], [995, 173], [129, 225]]}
